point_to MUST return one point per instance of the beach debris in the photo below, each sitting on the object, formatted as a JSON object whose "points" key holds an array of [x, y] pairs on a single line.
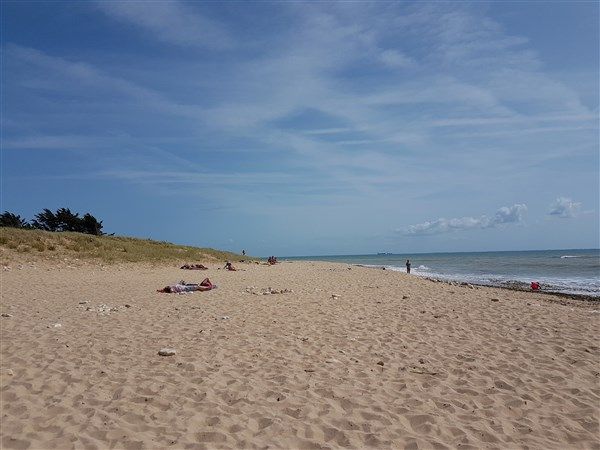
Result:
{"points": [[84, 302], [225, 317], [6, 315], [167, 351], [404, 297], [335, 296], [267, 291], [6, 268], [127, 305], [495, 299], [101, 310], [380, 363], [309, 370], [331, 361], [57, 325]]}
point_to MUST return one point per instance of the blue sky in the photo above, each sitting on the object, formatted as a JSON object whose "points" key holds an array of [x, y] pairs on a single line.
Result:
{"points": [[305, 128]]}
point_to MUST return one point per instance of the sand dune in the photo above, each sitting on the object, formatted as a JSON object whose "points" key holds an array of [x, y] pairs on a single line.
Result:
{"points": [[391, 361]]}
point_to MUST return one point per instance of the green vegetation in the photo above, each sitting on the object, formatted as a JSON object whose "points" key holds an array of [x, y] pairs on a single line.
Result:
{"points": [[38, 244], [62, 220]]}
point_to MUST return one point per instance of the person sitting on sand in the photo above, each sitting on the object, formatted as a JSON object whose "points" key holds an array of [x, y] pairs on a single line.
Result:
{"points": [[205, 285], [194, 267], [229, 266], [272, 260]]}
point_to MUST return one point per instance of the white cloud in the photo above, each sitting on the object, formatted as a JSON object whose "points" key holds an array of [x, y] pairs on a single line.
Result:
{"points": [[170, 21], [399, 119], [505, 215], [564, 208]]}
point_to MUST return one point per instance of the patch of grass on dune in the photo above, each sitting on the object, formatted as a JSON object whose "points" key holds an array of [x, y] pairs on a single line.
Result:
{"points": [[16, 243]]}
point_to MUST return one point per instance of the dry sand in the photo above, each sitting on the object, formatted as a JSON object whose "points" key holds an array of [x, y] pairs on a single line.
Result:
{"points": [[394, 361]]}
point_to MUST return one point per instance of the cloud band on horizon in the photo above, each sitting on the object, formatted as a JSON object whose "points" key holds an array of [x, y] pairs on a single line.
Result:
{"points": [[504, 215]]}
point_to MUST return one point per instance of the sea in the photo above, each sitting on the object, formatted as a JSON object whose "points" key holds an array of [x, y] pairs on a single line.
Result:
{"points": [[563, 271]]}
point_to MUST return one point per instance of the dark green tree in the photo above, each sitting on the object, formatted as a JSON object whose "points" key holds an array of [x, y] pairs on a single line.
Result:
{"points": [[46, 220], [91, 225], [8, 219], [67, 221]]}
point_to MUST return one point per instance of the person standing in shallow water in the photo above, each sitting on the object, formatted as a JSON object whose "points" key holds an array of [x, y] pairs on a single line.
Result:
{"points": [[408, 266]]}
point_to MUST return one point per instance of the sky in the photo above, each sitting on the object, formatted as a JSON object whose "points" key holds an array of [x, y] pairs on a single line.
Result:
{"points": [[307, 128]]}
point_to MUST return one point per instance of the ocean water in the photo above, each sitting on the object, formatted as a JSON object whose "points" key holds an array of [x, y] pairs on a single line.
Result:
{"points": [[565, 271]]}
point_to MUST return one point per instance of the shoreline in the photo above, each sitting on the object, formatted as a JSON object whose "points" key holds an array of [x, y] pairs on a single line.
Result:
{"points": [[578, 297], [509, 285]]}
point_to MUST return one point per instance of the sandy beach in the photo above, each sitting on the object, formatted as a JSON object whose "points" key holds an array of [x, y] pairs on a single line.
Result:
{"points": [[353, 357]]}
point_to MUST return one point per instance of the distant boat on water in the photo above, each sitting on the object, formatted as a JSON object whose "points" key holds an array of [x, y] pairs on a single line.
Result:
{"points": [[385, 253]]}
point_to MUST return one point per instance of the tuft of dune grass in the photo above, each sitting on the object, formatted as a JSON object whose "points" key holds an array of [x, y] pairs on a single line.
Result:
{"points": [[17, 243]]}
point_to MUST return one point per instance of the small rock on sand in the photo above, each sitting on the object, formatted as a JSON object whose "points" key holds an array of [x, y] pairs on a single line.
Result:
{"points": [[380, 363], [167, 352]]}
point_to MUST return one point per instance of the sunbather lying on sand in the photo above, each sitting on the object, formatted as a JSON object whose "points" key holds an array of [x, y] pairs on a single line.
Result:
{"points": [[205, 285], [194, 267]]}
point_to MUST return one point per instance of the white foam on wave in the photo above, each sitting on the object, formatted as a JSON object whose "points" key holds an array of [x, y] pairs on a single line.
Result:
{"points": [[422, 267], [569, 256], [575, 285]]}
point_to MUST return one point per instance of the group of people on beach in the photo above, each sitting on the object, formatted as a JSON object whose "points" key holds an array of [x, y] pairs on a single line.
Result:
{"points": [[204, 285], [194, 267], [272, 260]]}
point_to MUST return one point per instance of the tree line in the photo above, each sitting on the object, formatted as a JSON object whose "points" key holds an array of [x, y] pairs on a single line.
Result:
{"points": [[62, 220]]}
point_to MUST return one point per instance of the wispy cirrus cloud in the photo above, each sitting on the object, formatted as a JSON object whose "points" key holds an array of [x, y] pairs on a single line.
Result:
{"points": [[78, 77], [504, 215], [171, 21], [564, 207]]}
